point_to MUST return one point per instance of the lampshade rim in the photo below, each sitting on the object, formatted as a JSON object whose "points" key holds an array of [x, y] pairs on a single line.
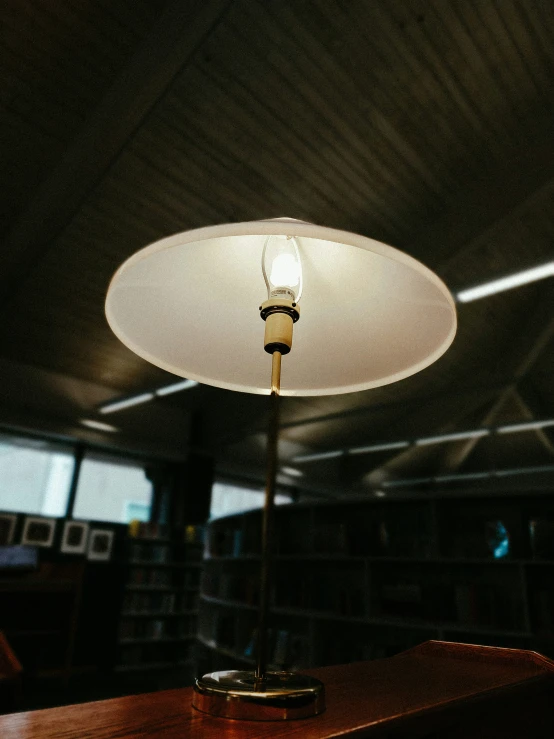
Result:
{"points": [[293, 228], [237, 387]]}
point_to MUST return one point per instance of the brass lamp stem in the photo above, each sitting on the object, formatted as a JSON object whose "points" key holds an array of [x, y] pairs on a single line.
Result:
{"points": [[262, 694], [267, 523]]}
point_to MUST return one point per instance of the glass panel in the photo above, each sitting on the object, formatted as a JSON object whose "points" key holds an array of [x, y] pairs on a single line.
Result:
{"points": [[228, 499], [112, 489], [35, 476]]}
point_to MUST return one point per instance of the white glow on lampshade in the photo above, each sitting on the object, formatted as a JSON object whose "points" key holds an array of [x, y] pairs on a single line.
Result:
{"points": [[282, 268], [165, 304], [506, 283]]}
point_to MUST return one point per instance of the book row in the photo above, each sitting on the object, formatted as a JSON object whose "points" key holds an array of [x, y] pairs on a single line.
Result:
{"points": [[144, 654], [487, 530], [155, 553], [436, 593], [164, 577], [163, 603], [157, 628], [148, 530], [288, 648]]}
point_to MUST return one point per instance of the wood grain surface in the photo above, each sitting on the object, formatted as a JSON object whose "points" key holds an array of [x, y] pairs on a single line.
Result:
{"points": [[436, 680]]}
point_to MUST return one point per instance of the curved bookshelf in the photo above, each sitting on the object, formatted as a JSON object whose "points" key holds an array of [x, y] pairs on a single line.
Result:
{"points": [[364, 579]]}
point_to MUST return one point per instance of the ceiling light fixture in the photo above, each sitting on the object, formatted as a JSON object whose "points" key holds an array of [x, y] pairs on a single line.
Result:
{"points": [[524, 471], [428, 440], [514, 428], [318, 456], [119, 405], [462, 476], [385, 446], [292, 472], [458, 436], [201, 287], [176, 387], [508, 282], [98, 425], [406, 482]]}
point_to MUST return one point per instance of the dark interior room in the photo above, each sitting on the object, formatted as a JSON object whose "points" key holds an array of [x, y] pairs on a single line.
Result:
{"points": [[412, 508]]}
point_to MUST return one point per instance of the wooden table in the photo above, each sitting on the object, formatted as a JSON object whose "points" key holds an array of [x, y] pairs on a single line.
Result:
{"points": [[435, 690]]}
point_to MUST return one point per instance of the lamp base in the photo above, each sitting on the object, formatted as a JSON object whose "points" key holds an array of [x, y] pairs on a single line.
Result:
{"points": [[239, 694]]}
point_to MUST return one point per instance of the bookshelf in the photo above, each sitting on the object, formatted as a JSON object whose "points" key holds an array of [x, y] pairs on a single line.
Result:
{"points": [[38, 616], [357, 580], [158, 620]]}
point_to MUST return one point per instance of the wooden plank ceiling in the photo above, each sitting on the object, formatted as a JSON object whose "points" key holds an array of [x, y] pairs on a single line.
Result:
{"points": [[425, 124]]}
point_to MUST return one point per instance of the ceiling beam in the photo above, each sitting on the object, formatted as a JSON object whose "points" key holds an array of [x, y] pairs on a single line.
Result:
{"points": [[467, 407], [521, 179], [531, 413], [180, 30], [409, 404], [534, 335], [455, 457]]}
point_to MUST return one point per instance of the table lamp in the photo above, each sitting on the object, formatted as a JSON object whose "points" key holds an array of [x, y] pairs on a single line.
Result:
{"points": [[191, 304]]}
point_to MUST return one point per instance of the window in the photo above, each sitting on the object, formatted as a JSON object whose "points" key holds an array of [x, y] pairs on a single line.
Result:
{"points": [[112, 489], [35, 476], [228, 499]]}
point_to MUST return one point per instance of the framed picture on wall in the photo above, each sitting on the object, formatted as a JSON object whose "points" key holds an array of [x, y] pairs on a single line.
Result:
{"points": [[7, 528], [38, 532], [100, 545], [74, 539]]}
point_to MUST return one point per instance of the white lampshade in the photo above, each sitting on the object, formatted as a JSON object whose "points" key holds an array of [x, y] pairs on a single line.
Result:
{"points": [[370, 314]]}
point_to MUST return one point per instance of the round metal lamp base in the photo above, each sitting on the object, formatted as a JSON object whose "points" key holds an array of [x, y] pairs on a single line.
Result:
{"points": [[238, 694]]}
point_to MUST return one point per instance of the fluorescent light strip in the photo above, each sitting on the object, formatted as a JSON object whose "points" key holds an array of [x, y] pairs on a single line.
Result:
{"points": [[315, 457], [98, 425], [506, 283], [527, 426], [292, 472], [119, 405], [524, 471], [462, 476], [406, 483], [379, 447], [468, 476], [427, 440], [176, 387]]}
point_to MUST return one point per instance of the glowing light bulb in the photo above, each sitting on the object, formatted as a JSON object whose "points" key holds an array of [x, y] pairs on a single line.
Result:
{"points": [[282, 268], [285, 271]]}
